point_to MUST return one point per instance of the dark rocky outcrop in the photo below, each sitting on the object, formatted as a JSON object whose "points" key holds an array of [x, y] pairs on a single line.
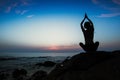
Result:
{"points": [[46, 64], [39, 75], [5, 59], [99, 65], [19, 74], [3, 75], [39, 64]]}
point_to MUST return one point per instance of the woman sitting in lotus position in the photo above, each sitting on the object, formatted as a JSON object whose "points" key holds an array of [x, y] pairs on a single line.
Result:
{"points": [[88, 31]]}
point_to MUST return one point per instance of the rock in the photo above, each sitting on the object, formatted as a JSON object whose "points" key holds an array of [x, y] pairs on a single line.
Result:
{"points": [[99, 65], [5, 59], [3, 75], [23, 72], [48, 64], [19, 74], [108, 70], [15, 73], [39, 64], [39, 75]]}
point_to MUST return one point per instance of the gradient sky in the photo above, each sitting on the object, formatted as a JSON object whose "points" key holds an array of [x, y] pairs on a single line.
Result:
{"points": [[54, 25]]}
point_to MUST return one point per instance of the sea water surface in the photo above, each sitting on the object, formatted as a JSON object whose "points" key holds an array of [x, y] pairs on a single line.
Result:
{"points": [[36, 54], [11, 61]]}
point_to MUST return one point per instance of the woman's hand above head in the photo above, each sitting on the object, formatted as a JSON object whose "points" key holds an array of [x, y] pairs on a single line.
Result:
{"points": [[86, 15]]}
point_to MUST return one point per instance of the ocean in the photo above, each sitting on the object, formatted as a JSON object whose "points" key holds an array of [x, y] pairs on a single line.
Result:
{"points": [[11, 61], [36, 54]]}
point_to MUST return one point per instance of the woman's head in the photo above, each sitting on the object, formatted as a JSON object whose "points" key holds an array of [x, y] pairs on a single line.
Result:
{"points": [[87, 25]]}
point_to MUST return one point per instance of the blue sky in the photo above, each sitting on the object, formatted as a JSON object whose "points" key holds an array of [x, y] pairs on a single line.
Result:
{"points": [[54, 24]]}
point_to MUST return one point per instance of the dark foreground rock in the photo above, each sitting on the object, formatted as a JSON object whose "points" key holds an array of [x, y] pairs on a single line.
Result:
{"points": [[46, 64], [5, 59], [3, 75], [88, 66], [49, 63], [19, 74], [39, 75]]}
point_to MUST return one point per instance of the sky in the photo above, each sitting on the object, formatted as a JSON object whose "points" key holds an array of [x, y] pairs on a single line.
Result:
{"points": [[54, 25]]}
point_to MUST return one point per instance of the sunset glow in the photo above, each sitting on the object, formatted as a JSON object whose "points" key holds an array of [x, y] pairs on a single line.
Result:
{"points": [[54, 48]]}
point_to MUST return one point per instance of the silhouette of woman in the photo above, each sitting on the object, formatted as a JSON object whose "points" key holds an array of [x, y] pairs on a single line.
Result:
{"points": [[88, 31]]}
